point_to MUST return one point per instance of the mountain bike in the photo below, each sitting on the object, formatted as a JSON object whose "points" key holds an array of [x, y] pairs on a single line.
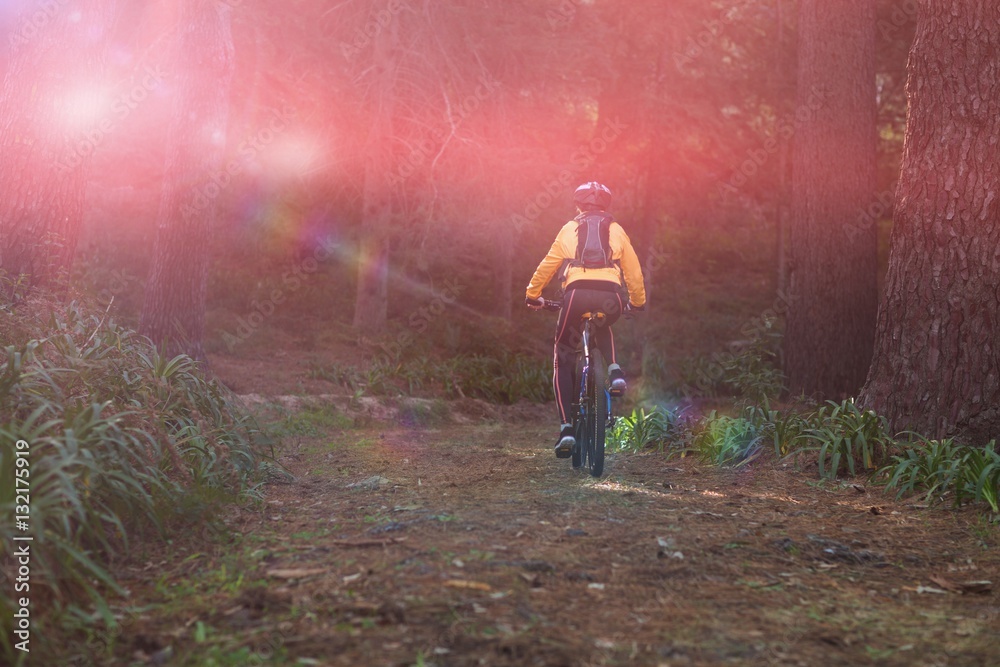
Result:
{"points": [[592, 412]]}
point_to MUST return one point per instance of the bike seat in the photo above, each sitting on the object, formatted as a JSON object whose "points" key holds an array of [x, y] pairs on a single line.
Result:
{"points": [[597, 316]]}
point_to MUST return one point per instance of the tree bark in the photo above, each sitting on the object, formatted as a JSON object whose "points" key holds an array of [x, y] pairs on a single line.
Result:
{"points": [[371, 306], [49, 130], [936, 368], [831, 318], [173, 311]]}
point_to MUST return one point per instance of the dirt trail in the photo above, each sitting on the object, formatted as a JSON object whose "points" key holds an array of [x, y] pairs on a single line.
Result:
{"points": [[473, 545]]}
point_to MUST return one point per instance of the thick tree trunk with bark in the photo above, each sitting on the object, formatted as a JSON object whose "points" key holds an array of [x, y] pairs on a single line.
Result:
{"points": [[173, 311], [936, 368], [50, 126], [831, 318]]}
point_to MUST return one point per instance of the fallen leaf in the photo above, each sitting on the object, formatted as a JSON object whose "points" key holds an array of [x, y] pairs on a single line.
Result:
{"points": [[367, 543], [295, 573], [945, 584], [532, 579], [875, 510], [858, 488], [930, 589], [976, 586], [406, 508], [371, 483], [464, 583]]}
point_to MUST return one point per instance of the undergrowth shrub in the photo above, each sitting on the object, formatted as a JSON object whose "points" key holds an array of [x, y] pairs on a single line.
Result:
{"points": [[848, 439], [784, 428], [120, 440], [658, 428], [752, 373], [942, 467], [728, 441], [503, 378]]}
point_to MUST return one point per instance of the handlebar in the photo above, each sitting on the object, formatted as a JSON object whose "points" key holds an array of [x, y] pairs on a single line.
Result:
{"points": [[627, 313]]}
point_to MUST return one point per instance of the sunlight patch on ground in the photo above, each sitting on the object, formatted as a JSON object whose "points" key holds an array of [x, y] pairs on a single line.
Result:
{"points": [[624, 487]]}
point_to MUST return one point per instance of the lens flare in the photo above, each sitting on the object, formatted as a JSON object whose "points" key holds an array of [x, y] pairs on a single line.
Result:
{"points": [[83, 107]]}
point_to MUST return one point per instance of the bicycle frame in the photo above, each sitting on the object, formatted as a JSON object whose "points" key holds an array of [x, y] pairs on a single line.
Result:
{"points": [[583, 403], [590, 445]]}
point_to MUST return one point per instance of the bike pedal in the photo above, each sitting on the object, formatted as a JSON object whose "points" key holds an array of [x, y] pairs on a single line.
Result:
{"points": [[565, 448]]}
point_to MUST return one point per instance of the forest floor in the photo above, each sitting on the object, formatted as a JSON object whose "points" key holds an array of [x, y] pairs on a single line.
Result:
{"points": [[456, 538]]}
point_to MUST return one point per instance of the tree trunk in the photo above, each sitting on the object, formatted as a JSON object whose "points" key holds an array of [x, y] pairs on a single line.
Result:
{"points": [[504, 271], [50, 127], [173, 311], [371, 305], [936, 368], [780, 207], [831, 318]]}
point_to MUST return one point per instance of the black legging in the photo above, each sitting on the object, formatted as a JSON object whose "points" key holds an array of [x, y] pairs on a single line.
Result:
{"points": [[568, 333]]}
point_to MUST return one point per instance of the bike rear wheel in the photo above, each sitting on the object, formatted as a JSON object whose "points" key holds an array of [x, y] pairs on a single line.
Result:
{"points": [[597, 395]]}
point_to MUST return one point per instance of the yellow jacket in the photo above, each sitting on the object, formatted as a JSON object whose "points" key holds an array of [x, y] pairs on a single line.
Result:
{"points": [[564, 247]]}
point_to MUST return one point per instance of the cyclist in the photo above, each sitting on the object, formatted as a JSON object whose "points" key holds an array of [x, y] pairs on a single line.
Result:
{"points": [[587, 289]]}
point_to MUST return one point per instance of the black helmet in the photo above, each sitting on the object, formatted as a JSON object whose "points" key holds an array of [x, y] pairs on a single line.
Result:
{"points": [[592, 195]]}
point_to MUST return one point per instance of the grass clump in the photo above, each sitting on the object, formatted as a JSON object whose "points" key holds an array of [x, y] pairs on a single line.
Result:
{"points": [[728, 441], [848, 439], [119, 440], [656, 429], [784, 428], [942, 467]]}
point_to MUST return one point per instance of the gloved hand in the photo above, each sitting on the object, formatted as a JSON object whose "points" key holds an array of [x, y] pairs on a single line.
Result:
{"points": [[629, 308], [534, 304]]}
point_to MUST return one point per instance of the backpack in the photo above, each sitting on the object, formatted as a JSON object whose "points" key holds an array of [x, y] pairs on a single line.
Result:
{"points": [[593, 246]]}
